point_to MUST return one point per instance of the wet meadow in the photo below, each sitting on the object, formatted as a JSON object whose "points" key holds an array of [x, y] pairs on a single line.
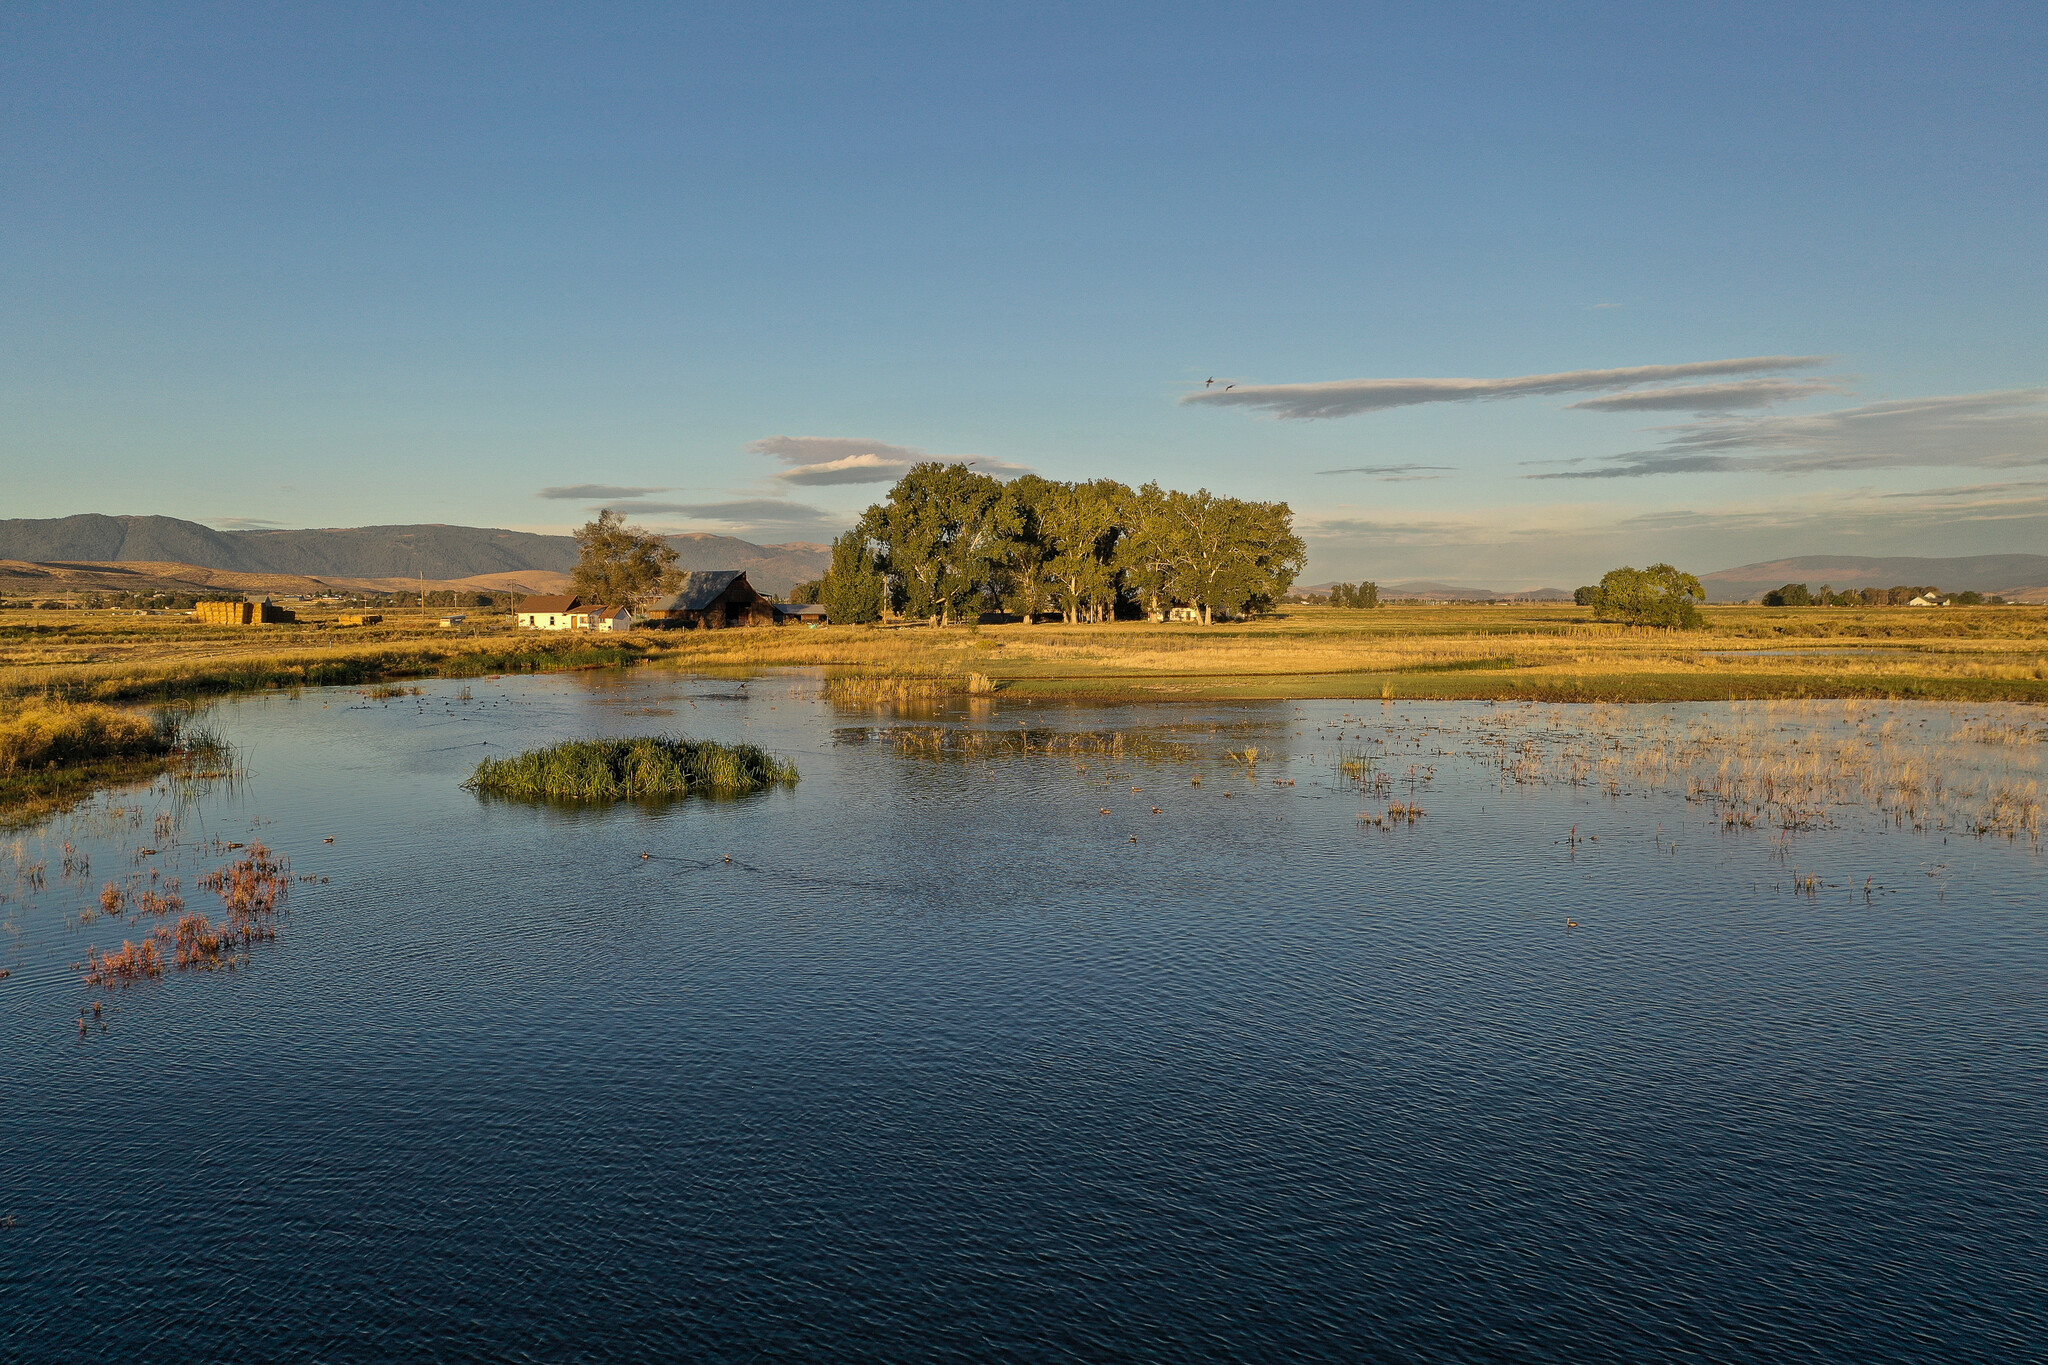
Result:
{"points": [[1036, 1028]]}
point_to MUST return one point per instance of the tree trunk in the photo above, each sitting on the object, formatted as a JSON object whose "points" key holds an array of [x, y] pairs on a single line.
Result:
{"points": [[1205, 615]]}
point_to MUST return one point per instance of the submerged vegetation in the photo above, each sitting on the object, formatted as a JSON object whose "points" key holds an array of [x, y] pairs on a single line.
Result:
{"points": [[252, 890], [626, 769]]}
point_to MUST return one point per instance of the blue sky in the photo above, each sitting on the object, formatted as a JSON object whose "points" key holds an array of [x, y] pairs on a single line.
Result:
{"points": [[335, 265]]}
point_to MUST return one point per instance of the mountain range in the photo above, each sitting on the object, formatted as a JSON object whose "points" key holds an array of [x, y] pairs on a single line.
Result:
{"points": [[395, 555], [398, 557], [1428, 590]]}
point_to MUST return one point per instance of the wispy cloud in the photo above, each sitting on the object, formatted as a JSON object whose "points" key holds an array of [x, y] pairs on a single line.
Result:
{"points": [[244, 523], [826, 460], [1348, 397], [2004, 429], [1394, 473], [585, 492], [1704, 398], [753, 511]]}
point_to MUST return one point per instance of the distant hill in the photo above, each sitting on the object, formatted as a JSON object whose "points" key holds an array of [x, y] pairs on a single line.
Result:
{"points": [[1424, 590], [62, 578], [439, 553], [2020, 577]]}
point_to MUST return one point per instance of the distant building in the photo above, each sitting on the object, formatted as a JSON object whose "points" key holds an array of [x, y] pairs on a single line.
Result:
{"points": [[264, 613], [448, 622], [548, 613], [619, 619], [1926, 601], [711, 599], [802, 613]]}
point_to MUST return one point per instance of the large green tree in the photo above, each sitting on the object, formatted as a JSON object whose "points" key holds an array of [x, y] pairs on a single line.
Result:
{"points": [[945, 533], [1147, 546], [1228, 554], [853, 591], [1076, 527], [1657, 596], [617, 564]]}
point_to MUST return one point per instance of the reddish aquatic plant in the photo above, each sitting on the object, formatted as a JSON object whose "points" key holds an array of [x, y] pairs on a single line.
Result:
{"points": [[131, 963], [202, 945]]}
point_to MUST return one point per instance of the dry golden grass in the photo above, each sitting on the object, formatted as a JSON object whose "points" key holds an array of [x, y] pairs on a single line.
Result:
{"points": [[38, 735], [1399, 651]]}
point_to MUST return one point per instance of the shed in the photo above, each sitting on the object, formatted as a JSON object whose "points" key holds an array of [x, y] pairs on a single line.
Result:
{"points": [[711, 599], [548, 613], [803, 613]]}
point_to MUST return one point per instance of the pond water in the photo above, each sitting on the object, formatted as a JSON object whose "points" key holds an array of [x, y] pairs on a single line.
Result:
{"points": [[930, 1056]]}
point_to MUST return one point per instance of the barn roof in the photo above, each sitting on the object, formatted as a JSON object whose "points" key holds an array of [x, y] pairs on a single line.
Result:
{"points": [[551, 604], [699, 589]]}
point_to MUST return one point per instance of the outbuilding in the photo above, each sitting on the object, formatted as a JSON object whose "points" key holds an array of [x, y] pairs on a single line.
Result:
{"points": [[801, 613], [710, 599]]}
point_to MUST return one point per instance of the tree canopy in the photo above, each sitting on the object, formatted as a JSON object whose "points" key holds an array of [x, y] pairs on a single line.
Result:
{"points": [[617, 564], [1657, 596], [949, 542]]}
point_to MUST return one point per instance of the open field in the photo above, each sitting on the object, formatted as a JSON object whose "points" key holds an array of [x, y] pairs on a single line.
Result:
{"points": [[1534, 652]]}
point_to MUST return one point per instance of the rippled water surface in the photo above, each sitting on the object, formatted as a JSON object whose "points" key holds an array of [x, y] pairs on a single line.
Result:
{"points": [[928, 1056]]}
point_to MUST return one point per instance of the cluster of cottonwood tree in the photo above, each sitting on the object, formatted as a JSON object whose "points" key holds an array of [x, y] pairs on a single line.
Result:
{"points": [[1799, 595], [1354, 594], [949, 543]]}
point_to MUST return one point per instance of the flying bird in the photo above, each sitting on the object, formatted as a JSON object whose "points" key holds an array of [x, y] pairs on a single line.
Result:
{"points": [[1207, 382], [1228, 387]]}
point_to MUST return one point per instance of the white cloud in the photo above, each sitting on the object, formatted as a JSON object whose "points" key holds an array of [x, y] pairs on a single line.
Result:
{"points": [[1705, 398], [244, 523], [2004, 429], [1347, 397], [826, 460]]}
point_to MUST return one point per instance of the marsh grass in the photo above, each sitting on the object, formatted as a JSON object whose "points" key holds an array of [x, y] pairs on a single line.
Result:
{"points": [[54, 753], [883, 689], [629, 769], [957, 742], [1791, 766]]}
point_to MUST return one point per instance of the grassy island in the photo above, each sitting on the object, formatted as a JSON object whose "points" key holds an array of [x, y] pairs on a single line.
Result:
{"points": [[624, 769]]}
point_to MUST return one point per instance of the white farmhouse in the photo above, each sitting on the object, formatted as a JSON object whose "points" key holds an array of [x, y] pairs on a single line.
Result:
{"points": [[548, 613]]}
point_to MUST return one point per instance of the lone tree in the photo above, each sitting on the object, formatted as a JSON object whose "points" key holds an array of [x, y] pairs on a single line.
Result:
{"points": [[1657, 596], [617, 563]]}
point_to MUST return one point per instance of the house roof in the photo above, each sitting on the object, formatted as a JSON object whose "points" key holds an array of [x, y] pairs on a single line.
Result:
{"points": [[556, 605], [699, 589]]}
